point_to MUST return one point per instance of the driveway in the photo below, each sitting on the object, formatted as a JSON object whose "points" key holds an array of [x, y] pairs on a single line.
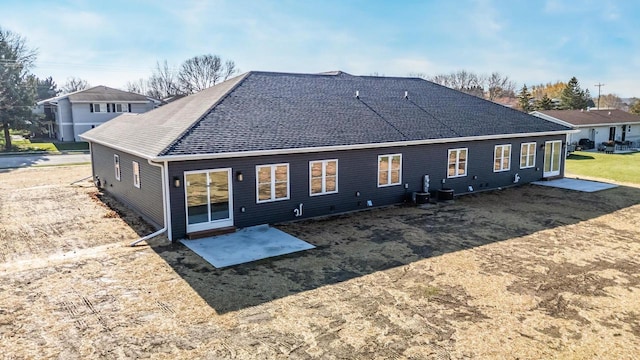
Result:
{"points": [[17, 161]]}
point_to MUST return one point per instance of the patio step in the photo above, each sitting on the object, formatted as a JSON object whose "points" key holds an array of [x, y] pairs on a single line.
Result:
{"points": [[211, 232]]}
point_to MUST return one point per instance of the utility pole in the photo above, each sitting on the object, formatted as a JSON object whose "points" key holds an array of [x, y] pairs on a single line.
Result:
{"points": [[599, 86]]}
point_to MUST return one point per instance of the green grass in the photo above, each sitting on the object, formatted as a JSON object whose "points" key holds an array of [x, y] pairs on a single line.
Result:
{"points": [[44, 145], [617, 167]]}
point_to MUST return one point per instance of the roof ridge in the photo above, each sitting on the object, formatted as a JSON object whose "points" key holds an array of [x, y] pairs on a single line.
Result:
{"points": [[240, 79]]}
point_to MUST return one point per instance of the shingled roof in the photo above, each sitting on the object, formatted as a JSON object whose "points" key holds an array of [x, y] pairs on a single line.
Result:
{"points": [[99, 93], [592, 117], [265, 111]]}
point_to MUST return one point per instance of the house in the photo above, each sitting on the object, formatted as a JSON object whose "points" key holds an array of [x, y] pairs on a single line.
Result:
{"points": [[598, 126], [267, 147], [70, 115]]}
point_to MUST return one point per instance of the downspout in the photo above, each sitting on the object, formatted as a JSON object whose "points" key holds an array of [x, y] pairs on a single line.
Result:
{"points": [[163, 170]]}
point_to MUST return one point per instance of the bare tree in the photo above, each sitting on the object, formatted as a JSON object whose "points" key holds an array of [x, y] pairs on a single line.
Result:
{"points": [[75, 84], [461, 80], [139, 86], [163, 82], [611, 101], [499, 86], [490, 87], [203, 71]]}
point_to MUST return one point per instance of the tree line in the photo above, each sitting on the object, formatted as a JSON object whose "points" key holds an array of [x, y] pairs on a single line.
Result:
{"points": [[20, 89], [193, 75]]}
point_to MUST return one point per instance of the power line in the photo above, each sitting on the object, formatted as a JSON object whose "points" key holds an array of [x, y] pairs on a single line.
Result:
{"points": [[599, 85]]}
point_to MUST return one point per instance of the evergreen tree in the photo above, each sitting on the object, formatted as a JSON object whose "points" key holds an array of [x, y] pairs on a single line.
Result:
{"points": [[573, 97], [588, 99], [544, 104], [17, 86], [635, 108], [524, 99], [47, 88]]}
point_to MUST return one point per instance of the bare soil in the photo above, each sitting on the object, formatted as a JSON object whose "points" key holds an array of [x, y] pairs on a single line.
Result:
{"points": [[524, 273]]}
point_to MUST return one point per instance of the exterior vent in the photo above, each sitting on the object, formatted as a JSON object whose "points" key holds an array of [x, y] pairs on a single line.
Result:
{"points": [[406, 95], [357, 94]]}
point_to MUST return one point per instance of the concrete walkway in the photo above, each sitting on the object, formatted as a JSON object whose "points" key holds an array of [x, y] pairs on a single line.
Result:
{"points": [[17, 161]]}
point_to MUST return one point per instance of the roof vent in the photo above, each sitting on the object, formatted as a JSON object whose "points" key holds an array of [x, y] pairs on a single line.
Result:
{"points": [[609, 112], [582, 110], [406, 95], [357, 94]]}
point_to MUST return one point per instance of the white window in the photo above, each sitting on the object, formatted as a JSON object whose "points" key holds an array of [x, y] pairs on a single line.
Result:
{"points": [[136, 174], [528, 155], [323, 177], [116, 166], [272, 182], [457, 163], [121, 108], [389, 170], [100, 107], [502, 158]]}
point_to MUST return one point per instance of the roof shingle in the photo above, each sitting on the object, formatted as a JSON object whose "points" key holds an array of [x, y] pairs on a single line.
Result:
{"points": [[271, 111]]}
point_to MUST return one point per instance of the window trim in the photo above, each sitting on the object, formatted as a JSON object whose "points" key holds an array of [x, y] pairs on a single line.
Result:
{"points": [[466, 162], [273, 183], [124, 107], [116, 166], [136, 174], [323, 177], [102, 106], [528, 144], [495, 158], [389, 183]]}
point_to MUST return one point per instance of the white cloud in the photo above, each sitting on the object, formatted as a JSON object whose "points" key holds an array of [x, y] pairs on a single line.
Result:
{"points": [[485, 19]]}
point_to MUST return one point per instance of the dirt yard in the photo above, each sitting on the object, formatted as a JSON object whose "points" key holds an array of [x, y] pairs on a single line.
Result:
{"points": [[523, 273]]}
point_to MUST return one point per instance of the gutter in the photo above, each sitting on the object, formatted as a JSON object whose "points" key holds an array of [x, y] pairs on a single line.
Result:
{"points": [[164, 175], [228, 155], [237, 154]]}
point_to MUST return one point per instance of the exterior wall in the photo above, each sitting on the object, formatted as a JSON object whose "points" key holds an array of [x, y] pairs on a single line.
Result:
{"points": [[357, 172], [146, 200], [141, 108], [634, 133], [64, 119], [74, 119], [84, 119], [602, 133]]}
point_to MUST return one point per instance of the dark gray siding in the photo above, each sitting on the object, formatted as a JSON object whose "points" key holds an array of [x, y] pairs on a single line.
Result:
{"points": [[146, 200], [357, 172]]}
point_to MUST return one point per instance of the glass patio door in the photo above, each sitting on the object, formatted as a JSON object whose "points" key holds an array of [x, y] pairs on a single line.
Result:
{"points": [[552, 158], [208, 199]]}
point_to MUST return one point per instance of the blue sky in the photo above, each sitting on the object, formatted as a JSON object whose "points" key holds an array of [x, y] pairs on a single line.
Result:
{"points": [[532, 42]]}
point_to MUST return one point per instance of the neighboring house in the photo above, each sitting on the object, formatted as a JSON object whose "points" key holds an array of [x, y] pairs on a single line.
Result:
{"points": [[264, 147], [599, 126], [72, 114]]}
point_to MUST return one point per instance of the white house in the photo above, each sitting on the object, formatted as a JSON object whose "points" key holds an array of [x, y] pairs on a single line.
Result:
{"points": [[74, 113], [599, 126]]}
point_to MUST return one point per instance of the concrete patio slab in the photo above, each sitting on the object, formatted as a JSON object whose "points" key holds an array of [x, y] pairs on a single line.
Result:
{"points": [[246, 245], [576, 184]]}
